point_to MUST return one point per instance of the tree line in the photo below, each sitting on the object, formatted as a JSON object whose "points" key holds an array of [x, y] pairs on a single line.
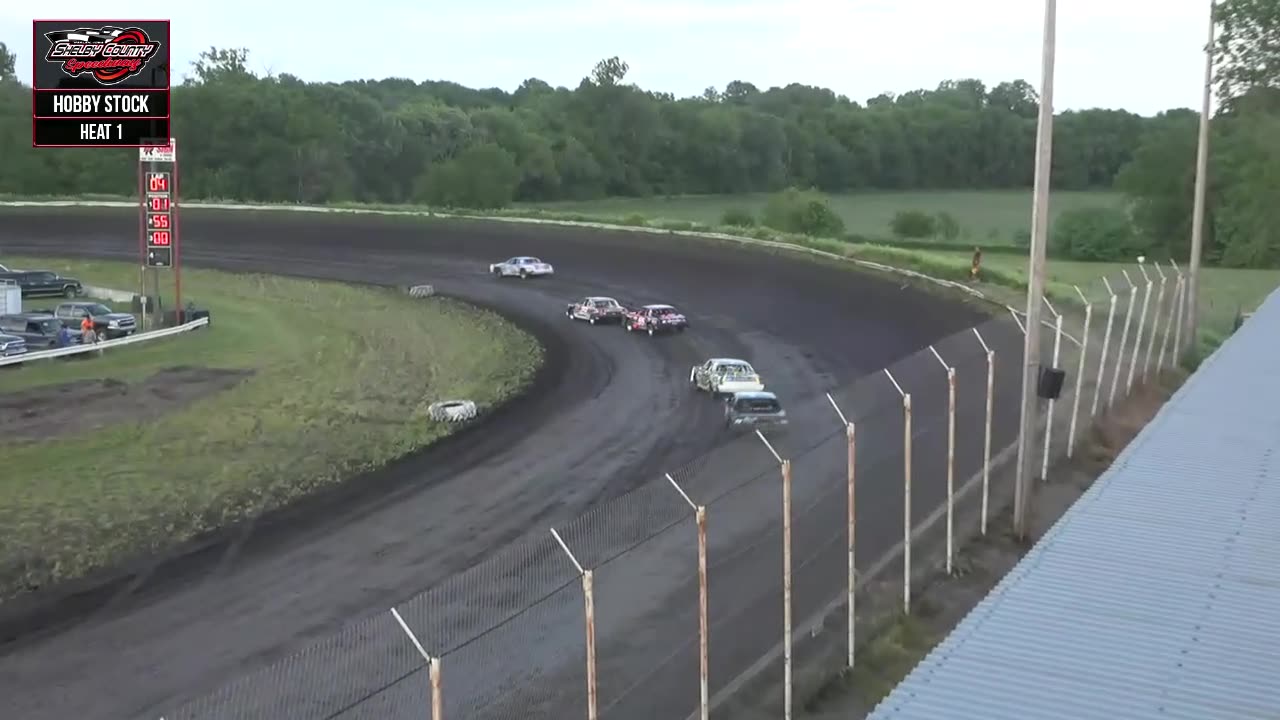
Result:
{"points": [[280, 139], [1242, 215]]}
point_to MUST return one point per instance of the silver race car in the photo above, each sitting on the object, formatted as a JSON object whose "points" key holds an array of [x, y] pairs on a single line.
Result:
{"points": [[596, 310], [720, 376], [522, 267]]}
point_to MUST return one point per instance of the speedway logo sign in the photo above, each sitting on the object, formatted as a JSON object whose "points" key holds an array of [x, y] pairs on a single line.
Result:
{"points": [[109, 54]]}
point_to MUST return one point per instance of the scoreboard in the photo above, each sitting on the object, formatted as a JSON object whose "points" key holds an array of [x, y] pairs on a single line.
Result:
{"points": [[100, 83], [159, 224], [157, 212]]}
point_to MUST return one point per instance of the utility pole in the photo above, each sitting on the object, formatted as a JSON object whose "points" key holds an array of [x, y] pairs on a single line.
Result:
{"points": [[1035, 287], [1197, 213]]}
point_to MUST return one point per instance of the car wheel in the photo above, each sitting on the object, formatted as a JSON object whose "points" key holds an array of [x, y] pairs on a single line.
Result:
{"points": [[591, 320], [626, 326], [497, 272], [68, 292], [524, 274], [650, 332], [568, 314]]}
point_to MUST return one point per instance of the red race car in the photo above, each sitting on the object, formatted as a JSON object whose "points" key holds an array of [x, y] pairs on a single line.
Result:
{"points": [[655, 319]]}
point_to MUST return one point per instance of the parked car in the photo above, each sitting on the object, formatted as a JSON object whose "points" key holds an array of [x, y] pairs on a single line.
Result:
{"points": [[12, 345], [39, 330], [725, 376], [44, 283], [106, 322], [522, 266], [753, 409], [654, 319], [596, 309]]}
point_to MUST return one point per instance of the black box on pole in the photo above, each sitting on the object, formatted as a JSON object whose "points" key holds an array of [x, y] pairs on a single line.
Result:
{"points": [[1050, 385]]}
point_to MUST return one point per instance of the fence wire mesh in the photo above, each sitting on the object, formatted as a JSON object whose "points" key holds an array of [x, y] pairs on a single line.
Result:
{"points": [[510, 633]]}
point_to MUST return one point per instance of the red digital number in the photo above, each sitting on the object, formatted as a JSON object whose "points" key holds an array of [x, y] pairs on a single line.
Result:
{"points": [[160, 221], [160, 238], [158, 182], [159, 204]]}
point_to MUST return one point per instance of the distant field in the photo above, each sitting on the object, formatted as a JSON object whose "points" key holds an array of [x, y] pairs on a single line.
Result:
{"points": [[985, 217]]}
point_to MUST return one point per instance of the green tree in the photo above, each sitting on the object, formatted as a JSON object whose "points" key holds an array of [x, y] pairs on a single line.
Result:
{"points": [[913, 224], [1095, 233], [1247, 48], [738, 217], [947, 225], [1246, 220], [278, 138], [807, 212], [1160, 183], [8, 64], [482, 176]]}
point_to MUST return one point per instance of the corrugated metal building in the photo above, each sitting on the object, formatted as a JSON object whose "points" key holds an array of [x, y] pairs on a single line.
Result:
{"points": [[1157, 595]]}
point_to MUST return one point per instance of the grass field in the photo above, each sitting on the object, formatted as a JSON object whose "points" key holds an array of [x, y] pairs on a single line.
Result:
{"points": [[340, 380], [1224, 292], [985, 217]]}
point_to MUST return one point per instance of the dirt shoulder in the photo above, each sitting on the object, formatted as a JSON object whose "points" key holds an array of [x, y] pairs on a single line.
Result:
{"points": [[49, 412]]}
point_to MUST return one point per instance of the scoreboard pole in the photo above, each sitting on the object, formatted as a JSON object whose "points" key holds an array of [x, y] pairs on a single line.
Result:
{"points": [[158, 186], [181, 317], [144, 287]]}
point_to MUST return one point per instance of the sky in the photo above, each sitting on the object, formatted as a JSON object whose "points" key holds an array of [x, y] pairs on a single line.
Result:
{"points": [[1145, 56]]}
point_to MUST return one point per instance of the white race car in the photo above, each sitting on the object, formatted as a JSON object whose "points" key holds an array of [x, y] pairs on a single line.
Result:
{"points": [[725, 376], [521, 267]]}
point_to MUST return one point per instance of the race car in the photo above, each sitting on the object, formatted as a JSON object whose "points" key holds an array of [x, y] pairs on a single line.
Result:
{"points": [[654, 319], [522, 267], [721, 376], [750, 410], [595, 309]]}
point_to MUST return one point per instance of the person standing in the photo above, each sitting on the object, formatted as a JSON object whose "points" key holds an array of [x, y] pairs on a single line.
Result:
{"points": [[976, 267], [87, 334]]}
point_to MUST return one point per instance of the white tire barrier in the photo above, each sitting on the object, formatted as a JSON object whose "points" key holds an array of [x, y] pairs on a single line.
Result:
{"points": [[452, 410], [421, 291]]}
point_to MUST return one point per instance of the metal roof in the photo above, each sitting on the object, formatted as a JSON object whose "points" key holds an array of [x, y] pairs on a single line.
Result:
{"points": [[1157, 594]]}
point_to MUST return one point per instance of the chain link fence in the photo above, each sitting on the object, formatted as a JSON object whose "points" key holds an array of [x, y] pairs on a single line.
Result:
{"points": [[607, 612]]}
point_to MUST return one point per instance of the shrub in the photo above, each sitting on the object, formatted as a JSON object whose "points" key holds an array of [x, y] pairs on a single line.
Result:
{"points": [[947, 226], [806, 212], [913, 224], [1095, 233], [738, 217]]}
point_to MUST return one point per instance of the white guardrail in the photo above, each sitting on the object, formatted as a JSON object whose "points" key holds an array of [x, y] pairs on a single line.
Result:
{"points": [[105, 344], [785, 246]]}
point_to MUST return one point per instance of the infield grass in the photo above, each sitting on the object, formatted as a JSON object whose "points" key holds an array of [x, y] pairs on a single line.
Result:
{"points": [[341, 378]]}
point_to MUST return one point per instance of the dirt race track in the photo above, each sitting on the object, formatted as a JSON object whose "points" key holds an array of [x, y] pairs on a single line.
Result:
{"points": [[609, 411]]}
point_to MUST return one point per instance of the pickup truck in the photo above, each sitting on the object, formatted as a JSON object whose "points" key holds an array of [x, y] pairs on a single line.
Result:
{"points": [[12, 345], [39, 330], [44, 283], [106, 322]]}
